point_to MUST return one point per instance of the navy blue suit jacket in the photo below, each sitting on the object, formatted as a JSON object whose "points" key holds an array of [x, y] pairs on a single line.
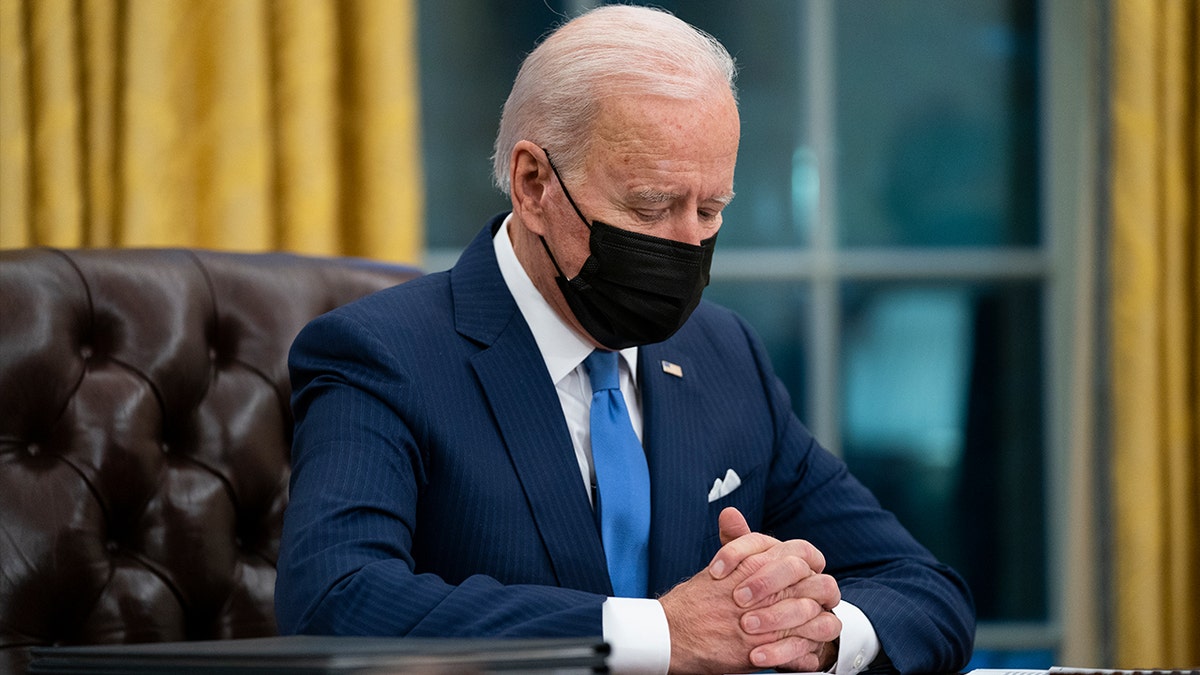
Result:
{"points": [[435, 490]]}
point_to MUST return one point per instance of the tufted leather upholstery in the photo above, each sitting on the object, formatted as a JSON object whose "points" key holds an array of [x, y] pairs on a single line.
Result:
{"points": [[144, 438]]}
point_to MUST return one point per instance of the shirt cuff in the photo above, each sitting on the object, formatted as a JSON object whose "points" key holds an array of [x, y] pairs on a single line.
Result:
{"points": [[636, 629], [858, 644]]}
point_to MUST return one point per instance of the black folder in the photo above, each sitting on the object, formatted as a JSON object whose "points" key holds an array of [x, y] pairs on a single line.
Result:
{"points": [[310, 655]]}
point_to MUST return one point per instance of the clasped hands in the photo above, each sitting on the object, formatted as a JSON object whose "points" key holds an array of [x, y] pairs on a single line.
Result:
{"points": [[760, 603]]}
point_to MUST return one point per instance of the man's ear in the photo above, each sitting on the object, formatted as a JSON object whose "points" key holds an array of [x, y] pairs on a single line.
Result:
{"points": [[529, 178]]}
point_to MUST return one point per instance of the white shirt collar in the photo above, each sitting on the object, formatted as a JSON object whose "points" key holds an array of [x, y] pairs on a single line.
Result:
{"points": [[562, 348]]}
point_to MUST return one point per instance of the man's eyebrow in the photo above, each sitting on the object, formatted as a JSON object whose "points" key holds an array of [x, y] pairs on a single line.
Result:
{"points": [[650, 196], [659, 197], [724, 199]]}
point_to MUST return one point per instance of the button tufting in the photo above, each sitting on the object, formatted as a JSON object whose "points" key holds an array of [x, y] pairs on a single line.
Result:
{"points": [[121, 357]]}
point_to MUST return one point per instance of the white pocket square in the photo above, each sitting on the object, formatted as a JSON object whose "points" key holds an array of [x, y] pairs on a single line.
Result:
{"points": [[723, 486]]}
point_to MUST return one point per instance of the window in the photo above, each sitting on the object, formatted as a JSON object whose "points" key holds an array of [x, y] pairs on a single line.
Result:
{"points": [[887, 243]]}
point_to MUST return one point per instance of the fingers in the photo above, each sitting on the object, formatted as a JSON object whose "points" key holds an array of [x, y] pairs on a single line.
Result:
{"points": [[775, 577], [808, 649], [802, 617], [738, 543], [781, 600], [791, 654], [732, 525], [756, 555], [784, 571], [711, 632]]}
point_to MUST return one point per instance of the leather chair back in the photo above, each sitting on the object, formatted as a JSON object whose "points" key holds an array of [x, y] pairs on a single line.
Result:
{"points": [[145, 429]]}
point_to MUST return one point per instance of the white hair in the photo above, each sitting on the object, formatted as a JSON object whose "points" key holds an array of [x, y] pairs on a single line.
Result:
{"points": [[614, 50]]}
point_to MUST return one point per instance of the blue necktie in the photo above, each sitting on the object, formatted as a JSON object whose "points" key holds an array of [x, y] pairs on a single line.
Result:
{"points": [[623, 478]]}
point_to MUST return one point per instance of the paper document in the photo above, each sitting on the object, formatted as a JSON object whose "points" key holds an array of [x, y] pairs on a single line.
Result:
{"points": [[1072, 670]]}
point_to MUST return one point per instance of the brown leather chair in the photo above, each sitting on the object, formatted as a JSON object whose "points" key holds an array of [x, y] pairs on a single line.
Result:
{"points": [[145, 429]]}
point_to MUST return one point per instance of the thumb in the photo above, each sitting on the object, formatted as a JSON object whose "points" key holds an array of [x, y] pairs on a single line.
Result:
{"points": [[732, 525]]}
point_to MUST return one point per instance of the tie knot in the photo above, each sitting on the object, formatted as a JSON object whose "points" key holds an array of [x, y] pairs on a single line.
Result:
{"points": [[602, 370]]}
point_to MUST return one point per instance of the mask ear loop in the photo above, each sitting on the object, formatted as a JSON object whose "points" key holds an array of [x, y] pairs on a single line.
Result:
{"points": [[564, 188], [573, 205]]}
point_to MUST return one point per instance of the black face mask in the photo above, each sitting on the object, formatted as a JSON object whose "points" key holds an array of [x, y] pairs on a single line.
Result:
{"points": [[634, 289]]}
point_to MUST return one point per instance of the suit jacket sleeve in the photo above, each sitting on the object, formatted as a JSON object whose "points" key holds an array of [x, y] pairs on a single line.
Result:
{"points": [[347, 564]]}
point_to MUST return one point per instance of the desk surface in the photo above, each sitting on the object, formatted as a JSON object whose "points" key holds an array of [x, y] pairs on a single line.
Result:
{"points": [[325, 654]]}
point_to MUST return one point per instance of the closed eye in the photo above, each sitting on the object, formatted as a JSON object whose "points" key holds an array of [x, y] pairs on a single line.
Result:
{"points": [[651, 215]]}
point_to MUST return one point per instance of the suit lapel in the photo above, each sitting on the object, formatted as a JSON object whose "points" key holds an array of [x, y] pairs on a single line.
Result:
{"points": [[679, 504], [518, 388]]}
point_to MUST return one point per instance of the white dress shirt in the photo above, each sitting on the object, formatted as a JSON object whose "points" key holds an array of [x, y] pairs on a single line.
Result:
{"points": [[635, 628]]}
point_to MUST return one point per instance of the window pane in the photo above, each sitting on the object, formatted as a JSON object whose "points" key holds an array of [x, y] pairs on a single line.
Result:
{"points": [[470, 51], [936, 122], [776, 180], [941, 389], [777, 311]]}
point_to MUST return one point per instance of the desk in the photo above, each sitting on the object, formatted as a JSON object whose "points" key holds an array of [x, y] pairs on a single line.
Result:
{"points": [[312, 655]]}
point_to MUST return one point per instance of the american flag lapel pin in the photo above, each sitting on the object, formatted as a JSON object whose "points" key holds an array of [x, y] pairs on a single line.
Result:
{"points": [[672, 369]]}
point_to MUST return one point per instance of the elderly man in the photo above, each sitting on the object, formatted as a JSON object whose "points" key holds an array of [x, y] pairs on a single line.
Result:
{"points": [[558, 438]]}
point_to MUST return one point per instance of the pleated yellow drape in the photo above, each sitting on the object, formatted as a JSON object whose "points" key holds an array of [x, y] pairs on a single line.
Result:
{"points": [[232, 124], [1155, 331]]}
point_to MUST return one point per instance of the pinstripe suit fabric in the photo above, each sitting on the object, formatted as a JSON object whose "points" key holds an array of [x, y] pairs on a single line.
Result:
{"points": [[435, 490]]}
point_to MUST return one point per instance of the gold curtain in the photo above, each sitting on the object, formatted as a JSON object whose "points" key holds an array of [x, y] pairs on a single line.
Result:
{"points": [[1155, 331], [232, 124]]}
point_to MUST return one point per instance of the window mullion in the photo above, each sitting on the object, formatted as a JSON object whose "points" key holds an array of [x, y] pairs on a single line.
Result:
{"points": [[821, 133]]}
